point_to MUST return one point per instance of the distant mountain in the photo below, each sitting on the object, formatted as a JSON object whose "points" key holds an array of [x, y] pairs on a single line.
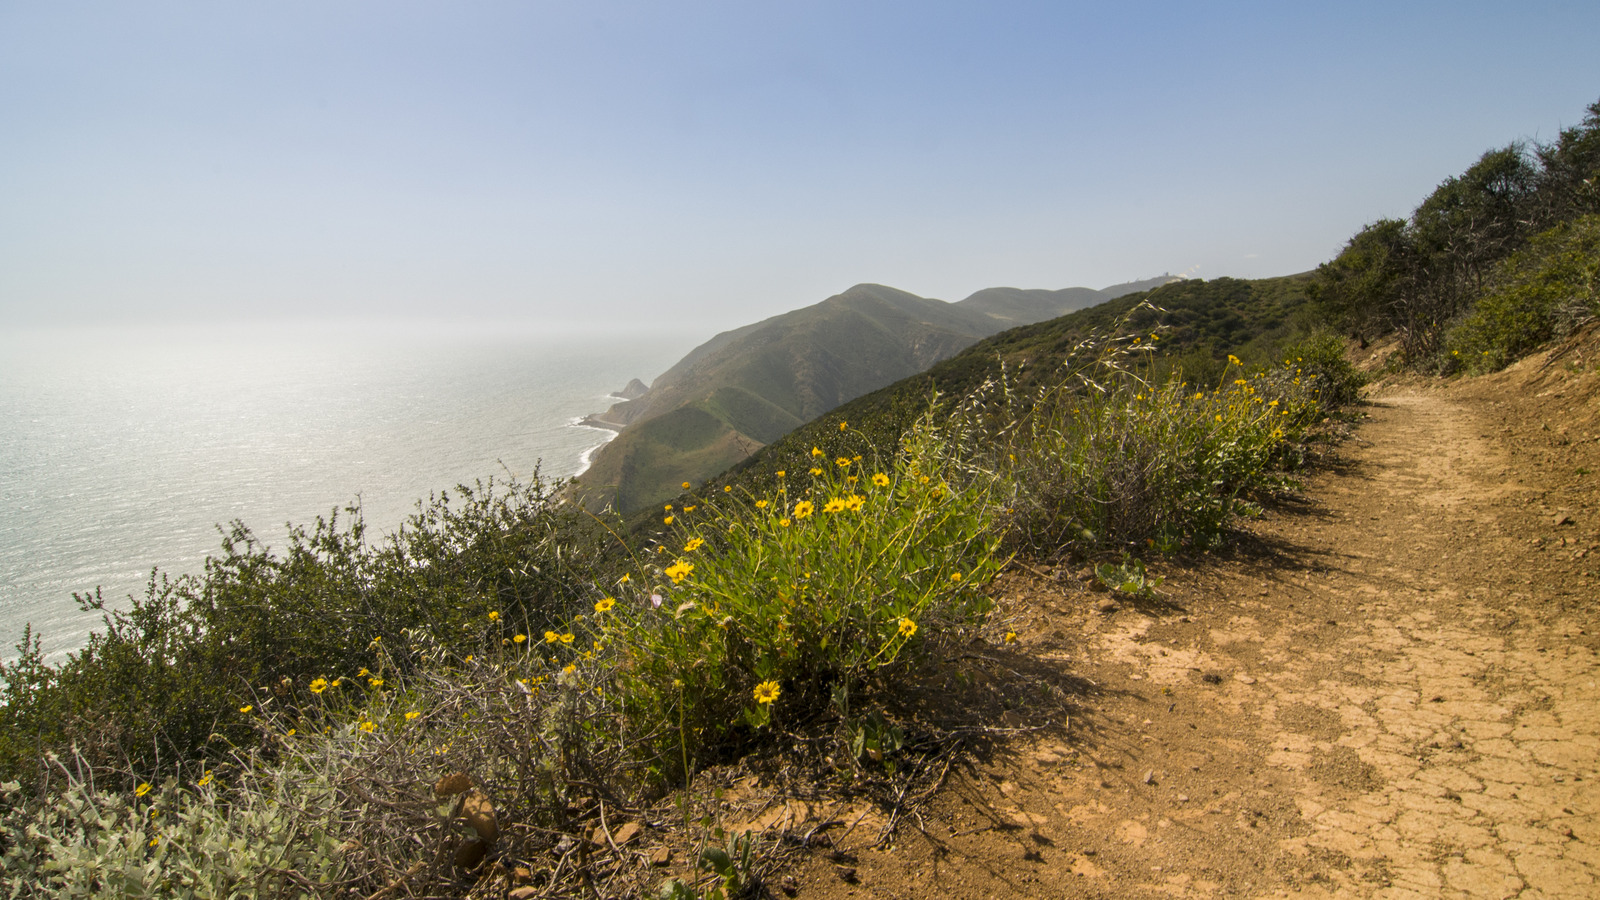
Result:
{"points": [[748, 387]]}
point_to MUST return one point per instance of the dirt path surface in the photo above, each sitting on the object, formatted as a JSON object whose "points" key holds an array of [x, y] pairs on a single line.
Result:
{"points": [[1388, 689]]}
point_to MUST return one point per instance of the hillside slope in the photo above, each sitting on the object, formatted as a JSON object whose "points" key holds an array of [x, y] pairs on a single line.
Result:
{"points": [[748, 387], [1204, 322]]}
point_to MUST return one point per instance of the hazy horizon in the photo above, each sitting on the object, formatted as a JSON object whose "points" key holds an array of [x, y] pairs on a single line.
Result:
{"points": [[719, 163]]}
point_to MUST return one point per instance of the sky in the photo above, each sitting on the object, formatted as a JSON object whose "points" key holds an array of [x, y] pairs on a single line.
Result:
{"points": [[639, 165]]}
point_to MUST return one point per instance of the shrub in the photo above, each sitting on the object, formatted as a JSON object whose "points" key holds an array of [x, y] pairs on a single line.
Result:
{"points": [[164, 682], [1108, 460], [770, 606], [1540, 293]]}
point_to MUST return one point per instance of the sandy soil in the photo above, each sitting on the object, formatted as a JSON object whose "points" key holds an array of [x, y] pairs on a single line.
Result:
{"points": [[1386, 689]]}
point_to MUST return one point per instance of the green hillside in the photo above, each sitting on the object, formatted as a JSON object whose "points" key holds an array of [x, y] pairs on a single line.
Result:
{"points": [[748, 387], [1202, 321]]}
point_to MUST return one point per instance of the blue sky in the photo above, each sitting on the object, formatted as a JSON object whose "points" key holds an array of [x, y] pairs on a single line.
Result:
{"points": [[707, 164]]}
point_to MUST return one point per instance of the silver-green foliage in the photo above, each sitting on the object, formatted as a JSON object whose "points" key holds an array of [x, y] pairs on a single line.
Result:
{"points": [[172, 842]]}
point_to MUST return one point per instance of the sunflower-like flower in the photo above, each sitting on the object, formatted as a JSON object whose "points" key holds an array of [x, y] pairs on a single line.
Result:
{"points": [[319, 685], [907, 628], [803, 509], [767, 692], [605, 604], [679, 571], [854, 502], [880, 479], [693, 545], [833, 505]]}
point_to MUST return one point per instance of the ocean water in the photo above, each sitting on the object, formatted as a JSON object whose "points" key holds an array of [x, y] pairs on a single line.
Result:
{"points": [[123, 449]]}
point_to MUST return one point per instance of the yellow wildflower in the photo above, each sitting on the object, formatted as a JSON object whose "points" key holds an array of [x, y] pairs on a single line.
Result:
{"points": [[604, 605], [907, 628], [412, 715], [155, 840], [693, 545], [766, 692], [781, 473], [686, 485], [570, 668], [550, 637], [375, 681], [854, 502], [784, 522], [520, 638], [679, 571], [319, 685], [623, 579], [816, 451], [494, 616], [833, 505], [843, 425], [761, 504], [880, 479], [727, 489], [1011, 637], [816, 471], [955, 576], [803, 509], [842, 461], [246, 708], [567, 638], [368, 727], [142, 789], [667, 520], [204, 781]]}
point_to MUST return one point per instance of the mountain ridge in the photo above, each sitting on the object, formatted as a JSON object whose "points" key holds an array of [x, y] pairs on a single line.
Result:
{"points": [[748, 386]]}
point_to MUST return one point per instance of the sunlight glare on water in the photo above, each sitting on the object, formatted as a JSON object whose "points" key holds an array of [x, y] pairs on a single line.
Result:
{"points": [[124, 449]]}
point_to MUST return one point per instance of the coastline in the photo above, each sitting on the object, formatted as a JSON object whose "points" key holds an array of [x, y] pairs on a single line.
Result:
{"points": [[586, 458]]}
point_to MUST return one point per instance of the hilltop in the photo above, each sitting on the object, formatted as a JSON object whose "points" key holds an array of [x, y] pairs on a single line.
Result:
{"points": [[747, 387]]}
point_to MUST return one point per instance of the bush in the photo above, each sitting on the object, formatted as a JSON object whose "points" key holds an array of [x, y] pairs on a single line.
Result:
{"points": [[164, 683], [772, 606], [1542, 292], [1107, 460]]}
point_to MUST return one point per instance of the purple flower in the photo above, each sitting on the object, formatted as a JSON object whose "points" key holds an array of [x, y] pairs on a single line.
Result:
{"points": [[655, 600]]}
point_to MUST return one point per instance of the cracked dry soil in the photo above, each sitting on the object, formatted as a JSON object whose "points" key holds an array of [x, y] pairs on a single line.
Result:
{"points": [[1387, 689]]}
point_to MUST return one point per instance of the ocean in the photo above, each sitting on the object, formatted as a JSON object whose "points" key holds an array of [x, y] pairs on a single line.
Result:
{"points": [[123, 449]]}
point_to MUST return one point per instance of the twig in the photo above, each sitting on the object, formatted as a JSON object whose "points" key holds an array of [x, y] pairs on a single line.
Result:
{"points": [[395, 884]]}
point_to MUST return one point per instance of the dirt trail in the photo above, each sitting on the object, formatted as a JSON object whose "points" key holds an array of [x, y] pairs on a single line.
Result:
{"points": [[1389, 690]]}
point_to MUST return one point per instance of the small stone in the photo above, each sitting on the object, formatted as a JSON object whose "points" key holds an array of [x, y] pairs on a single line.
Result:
{"points": [[452, 784], [1106, 607], [478, 812], [1244, 679], [1183, 798], [625, 834], [1149, 776], [469, 854], [847, 874], [660, 856], [523, 893], [1561, 519], [522, 874]]}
